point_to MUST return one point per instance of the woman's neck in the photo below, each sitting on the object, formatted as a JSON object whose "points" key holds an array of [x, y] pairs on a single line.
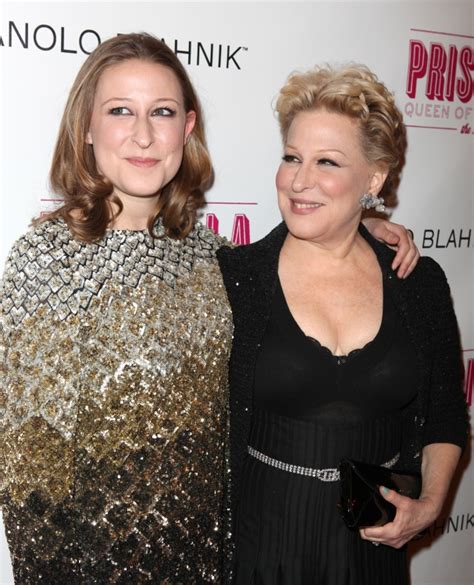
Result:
{"points": [[136, 212], [330, 251]]}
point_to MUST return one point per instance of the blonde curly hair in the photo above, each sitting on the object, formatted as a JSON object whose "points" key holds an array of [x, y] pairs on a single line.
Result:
{"points": [[354, 91]]}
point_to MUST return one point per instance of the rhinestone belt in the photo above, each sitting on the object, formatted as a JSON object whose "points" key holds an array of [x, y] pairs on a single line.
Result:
{"points": [[327, 474]]}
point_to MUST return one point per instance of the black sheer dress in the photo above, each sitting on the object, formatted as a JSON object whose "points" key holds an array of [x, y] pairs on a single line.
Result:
{"points": [[312, 409]]}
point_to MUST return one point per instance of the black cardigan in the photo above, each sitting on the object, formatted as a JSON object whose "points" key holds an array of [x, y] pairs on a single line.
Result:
{"points": [[439, 413]]}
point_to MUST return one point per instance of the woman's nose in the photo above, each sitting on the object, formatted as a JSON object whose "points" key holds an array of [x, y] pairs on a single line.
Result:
{"points": [[303, 179], [143, 133]]}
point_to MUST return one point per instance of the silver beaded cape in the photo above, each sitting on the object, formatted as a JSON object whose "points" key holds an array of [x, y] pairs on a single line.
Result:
{"points": [[113, 407]]}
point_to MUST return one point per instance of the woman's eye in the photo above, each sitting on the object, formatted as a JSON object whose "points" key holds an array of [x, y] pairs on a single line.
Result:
{"points": [[327, 162], [289, 158], [120, 111], [164, 112]]}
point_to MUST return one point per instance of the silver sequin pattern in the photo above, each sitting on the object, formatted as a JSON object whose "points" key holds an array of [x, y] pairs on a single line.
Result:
{"points": [[49, 268], [113, 406]]}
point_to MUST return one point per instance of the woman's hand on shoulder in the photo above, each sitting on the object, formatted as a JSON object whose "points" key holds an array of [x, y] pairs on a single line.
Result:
{"points": [[399, 238], [412, 517]]}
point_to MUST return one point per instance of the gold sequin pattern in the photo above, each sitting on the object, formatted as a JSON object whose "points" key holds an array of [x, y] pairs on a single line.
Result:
{"points": [[114, 397]]}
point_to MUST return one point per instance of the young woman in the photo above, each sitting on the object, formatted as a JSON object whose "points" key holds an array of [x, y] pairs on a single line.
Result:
{"points": [[115, 338]]}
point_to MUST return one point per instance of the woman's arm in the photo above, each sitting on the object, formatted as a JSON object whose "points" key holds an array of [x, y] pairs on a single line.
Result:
{"points": [[396, 235], [413, 516], [3, 389], [439, 463], [446, 427]]}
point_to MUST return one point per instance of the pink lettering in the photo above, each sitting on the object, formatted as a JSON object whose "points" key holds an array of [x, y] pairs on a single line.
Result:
{"points": [[448, 72], [464, 87], [212, 222], [241, 230], [435, 83], [451, 73], [469, 380], [417, 66]]}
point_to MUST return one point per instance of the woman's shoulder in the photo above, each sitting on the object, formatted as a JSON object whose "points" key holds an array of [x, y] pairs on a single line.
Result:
{"points": [[41, 238], [427, 290], [28, 266], [428, 274], [205, 241], [261, 250], [430, 266]]}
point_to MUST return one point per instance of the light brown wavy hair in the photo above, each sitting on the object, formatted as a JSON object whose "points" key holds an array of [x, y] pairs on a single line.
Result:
{"points": [[352, 90], [74, 174]]}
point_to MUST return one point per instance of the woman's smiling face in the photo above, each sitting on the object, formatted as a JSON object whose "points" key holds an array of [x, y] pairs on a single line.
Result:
{"points": [[323, 175], [139, 127]]}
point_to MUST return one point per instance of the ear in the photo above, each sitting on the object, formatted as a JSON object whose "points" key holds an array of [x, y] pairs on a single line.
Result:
{"points": [[377, 178], [189, 126], [88, 137]]}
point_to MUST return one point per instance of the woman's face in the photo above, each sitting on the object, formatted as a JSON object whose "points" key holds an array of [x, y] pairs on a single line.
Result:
{"points": [[323, 175], [139, 127]]}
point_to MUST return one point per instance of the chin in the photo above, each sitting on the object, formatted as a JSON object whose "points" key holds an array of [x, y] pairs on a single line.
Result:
{"points": [[143, 190], [308, 234], [305, 228]]}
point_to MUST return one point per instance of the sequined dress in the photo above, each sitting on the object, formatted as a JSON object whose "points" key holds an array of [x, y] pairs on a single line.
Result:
{"points": [[113, 408]]}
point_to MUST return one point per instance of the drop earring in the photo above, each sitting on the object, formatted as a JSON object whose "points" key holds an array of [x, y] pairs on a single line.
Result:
{"points": [[369, 201]]}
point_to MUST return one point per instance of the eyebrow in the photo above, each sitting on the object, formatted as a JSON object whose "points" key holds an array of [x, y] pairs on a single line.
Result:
{"points": [[125, 99], [319, 151]]}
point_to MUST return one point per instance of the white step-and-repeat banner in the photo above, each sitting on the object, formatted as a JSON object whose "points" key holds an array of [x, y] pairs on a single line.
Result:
{"points": [[238, 55]]}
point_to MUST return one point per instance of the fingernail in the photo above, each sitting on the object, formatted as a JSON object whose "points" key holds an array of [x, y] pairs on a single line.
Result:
{"points": [[385, 489]]}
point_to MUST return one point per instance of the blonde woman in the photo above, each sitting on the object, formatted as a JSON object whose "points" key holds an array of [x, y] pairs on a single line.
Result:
{"points": [[334, 357]]}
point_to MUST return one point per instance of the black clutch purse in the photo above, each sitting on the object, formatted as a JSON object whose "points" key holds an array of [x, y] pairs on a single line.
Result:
{"points": [[361, 503]]}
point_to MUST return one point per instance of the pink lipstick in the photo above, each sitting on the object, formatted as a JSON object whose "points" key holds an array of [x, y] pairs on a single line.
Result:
{"points": [[143, 162]]}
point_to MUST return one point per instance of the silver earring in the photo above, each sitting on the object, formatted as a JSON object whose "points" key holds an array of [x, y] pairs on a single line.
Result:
{"points": [[369, 201]]}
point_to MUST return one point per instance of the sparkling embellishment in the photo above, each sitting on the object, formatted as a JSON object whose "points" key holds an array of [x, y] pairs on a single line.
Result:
{"points": [[369, 201], [113, 408], [326, 475]]}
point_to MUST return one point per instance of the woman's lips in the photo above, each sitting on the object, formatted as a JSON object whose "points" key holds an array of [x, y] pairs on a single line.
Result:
{"points": [[301, 207], [143, 162]]}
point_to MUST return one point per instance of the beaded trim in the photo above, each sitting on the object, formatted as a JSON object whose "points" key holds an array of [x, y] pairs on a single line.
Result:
{"points": [[327, 474]]}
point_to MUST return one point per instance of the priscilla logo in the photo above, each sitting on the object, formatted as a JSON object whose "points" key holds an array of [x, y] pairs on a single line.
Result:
{"points": [[440, 81], [447, 71], [240, 229]]}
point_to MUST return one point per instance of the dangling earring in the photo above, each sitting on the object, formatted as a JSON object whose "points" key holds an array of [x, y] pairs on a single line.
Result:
{"points": [[369, 201]]}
